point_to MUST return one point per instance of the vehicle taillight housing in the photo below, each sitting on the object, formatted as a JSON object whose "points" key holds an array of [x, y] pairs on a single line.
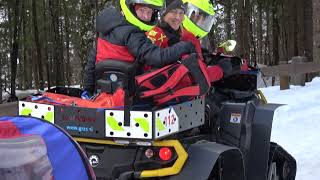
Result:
{"points": [[165, 153], [149, 153]]}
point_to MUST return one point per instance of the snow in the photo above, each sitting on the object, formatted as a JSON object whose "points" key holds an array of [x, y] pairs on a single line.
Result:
{"points": [[296, 125], [19, 93], [24, 93]]}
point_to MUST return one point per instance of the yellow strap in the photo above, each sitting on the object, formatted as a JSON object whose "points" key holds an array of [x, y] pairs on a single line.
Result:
{"points": [[262, 97]]}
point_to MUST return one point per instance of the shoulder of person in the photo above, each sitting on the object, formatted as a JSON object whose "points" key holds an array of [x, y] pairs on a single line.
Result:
{"points": [[156, 35], [187, 34], [155, 32]]}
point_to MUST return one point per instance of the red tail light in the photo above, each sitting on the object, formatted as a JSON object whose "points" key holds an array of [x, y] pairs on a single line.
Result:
{"points": [[165, 154]]}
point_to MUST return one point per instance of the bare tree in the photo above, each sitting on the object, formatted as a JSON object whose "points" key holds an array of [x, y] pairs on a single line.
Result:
{"points": [[316, 31], [275, 32], [259, 31], [67, 44], [57, 46], [228, 10], [39, 70], [14, 47], [242, 27]]}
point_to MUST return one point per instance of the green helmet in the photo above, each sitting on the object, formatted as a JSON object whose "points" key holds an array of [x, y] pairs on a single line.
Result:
{"points": [[199, 17], [127, 7]]}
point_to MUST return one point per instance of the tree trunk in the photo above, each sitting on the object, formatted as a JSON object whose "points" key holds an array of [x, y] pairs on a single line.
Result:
{"points": [[267, 59], [57, 57], [86, 33], [24, 51], [39, 68], [242, 21], [316, 31], [228, 8], [300, 25], [308, 29], [1, 86], [45, 45], [275, 33], [284, 30], [14, 50], [293, 29], [67, 46], [259, 33], [252, 47], [34, 53]]}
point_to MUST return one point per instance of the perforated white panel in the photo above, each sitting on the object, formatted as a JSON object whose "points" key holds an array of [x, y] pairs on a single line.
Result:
{"points": [[140, 124], [42, 111]]}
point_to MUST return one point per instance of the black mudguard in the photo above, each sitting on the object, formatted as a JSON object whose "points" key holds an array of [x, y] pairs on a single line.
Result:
{"points": [[251, 135], [258, 156], [204, 155]]}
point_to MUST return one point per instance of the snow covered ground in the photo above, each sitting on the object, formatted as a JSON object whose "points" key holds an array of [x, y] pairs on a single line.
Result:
{"points": [[296, 125]]}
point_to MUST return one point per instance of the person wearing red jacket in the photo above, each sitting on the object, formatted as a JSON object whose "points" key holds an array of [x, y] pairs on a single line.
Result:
{"points": [[170, 31], [121, 37]]}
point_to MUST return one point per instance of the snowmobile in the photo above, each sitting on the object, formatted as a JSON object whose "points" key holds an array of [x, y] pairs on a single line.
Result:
{"points": [[222, 136]]}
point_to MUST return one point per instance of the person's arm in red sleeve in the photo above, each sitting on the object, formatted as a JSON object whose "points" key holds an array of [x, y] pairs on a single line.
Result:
{"points": [[157, 37], [188, 36], [215, 72]]}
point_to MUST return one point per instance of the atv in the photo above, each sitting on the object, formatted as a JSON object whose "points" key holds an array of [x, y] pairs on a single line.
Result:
{"points": [[222, 136]]}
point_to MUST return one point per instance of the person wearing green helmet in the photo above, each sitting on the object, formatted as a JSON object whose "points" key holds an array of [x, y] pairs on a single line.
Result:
{"points": [[199, 17], [121, 37], [197, 22], [170, 31]]}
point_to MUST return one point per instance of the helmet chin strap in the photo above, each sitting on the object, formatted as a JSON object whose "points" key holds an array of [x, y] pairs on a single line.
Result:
{"points": [[144, 21]]}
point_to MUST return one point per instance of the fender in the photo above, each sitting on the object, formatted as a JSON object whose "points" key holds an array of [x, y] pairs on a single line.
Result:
{"points": [[251, 135], [260, 142], [203, 156]]}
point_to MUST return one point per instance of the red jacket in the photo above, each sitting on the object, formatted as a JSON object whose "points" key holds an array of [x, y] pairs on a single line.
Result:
{"points": [[107, 50], [158, 37]]}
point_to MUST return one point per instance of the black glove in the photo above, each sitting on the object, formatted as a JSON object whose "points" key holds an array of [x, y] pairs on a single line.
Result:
{"points": [[229, 68], [188, 47]]}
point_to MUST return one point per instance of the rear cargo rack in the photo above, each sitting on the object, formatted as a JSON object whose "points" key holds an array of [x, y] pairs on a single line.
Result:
{"points": [[109, 123]]}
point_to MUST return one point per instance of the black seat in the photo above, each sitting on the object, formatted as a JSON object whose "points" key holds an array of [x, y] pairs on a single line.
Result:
{"points": [[112, 74]]}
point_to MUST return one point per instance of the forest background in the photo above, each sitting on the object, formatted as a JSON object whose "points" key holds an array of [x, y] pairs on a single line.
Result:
{"points": [[45, 43]]}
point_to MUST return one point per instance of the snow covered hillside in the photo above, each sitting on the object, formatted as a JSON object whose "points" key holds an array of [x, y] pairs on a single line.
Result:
{"points": [[296, 125]]}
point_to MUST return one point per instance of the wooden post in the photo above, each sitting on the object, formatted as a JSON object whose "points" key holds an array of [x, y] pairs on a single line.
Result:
{"points": [[284, 82], [297, 78], [284, 79]]}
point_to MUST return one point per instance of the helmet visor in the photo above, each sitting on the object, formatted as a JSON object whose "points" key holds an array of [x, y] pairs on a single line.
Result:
{"points": [[199, 17]]}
